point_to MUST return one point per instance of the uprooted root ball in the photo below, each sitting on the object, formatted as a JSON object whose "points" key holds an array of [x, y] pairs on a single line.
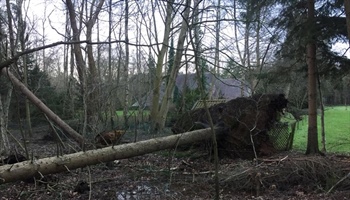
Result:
{"points": [[245, 122]]}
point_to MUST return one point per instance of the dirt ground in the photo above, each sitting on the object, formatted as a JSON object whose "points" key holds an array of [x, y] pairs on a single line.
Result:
{"points": [[183, 175]]}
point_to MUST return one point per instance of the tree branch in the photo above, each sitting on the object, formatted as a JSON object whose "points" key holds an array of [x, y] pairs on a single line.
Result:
{"points": [[18, 55]]}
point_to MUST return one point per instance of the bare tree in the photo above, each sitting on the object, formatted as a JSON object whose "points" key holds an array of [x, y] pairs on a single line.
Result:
{"points": [[23, 39], [5, 101], [93, 100], [163, 111], [217, 46], [155, 116], [89, 88]]}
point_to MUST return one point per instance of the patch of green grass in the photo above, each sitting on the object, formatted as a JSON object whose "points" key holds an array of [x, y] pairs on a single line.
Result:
{"points": [[119, 113], [337, 130]]}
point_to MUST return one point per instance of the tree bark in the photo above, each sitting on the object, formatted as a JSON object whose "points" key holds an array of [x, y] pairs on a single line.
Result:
{"points": [[126, 66], [163, 111], [312, 142], [159, 66], [22, 40], [37, 102], [216, 69], [347, 14], [92, 82], [28, 169], [5, 102], [4, 112]]}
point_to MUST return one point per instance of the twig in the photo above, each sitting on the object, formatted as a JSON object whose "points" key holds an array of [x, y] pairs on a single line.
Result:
{"points": [[341, 180], [17, 141], [90, 185]]}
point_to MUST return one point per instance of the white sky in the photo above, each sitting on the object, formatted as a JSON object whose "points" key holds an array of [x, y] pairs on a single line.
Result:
{"points": [[52, 13]]}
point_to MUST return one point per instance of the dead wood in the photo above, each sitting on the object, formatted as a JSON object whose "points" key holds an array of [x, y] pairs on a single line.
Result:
{"points": [[306, 173], [28, 169], [38, 103], [244, 122]]}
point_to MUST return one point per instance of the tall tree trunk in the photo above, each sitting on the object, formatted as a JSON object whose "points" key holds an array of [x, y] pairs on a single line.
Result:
{"points": [[199, 72], [159, 67], [259, 64], [5, 102], [237, 44], [79, 59], [312, 142], [92, 84], [163, 111], [89, 91], [247, 47], [110, 105], [22, 39], [347, 14], [43, 24], [217, 51], [81, 67], [67, 109], [4, 112], [126, 65]]}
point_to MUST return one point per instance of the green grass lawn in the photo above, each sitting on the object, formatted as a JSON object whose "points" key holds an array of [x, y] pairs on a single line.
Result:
{"points": [[119, 113], [337, 130]]}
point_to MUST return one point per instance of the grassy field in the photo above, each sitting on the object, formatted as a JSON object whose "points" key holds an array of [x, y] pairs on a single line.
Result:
{"points": [[337, 130], [119, 113]]}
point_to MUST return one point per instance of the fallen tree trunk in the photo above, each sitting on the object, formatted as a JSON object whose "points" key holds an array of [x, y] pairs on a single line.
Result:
{"points": [[37, 102], [28, 169]]}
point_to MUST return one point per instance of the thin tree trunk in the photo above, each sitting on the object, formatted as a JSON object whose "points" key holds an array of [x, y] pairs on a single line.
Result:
{"points": [[67, 109], [126, 65], [259, 64], [110, 107], [199, 71], [22, 39], [28, 169], [217, 46], [238, 49], [323, 133], [247, 49]]}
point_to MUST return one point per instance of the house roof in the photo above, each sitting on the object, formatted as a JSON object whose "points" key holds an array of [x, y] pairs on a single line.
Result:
{"points": [[221, 88]]}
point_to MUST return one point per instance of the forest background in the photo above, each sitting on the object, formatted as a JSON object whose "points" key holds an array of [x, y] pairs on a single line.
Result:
{"points": [[112, 54]]}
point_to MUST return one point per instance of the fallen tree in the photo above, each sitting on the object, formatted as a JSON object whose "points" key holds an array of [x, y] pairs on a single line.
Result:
{"points": [[245, 123], [38, 103], [37, 168]]}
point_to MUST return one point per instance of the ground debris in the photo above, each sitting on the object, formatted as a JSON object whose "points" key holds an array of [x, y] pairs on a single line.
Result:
{"points": [[175, 175]]}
